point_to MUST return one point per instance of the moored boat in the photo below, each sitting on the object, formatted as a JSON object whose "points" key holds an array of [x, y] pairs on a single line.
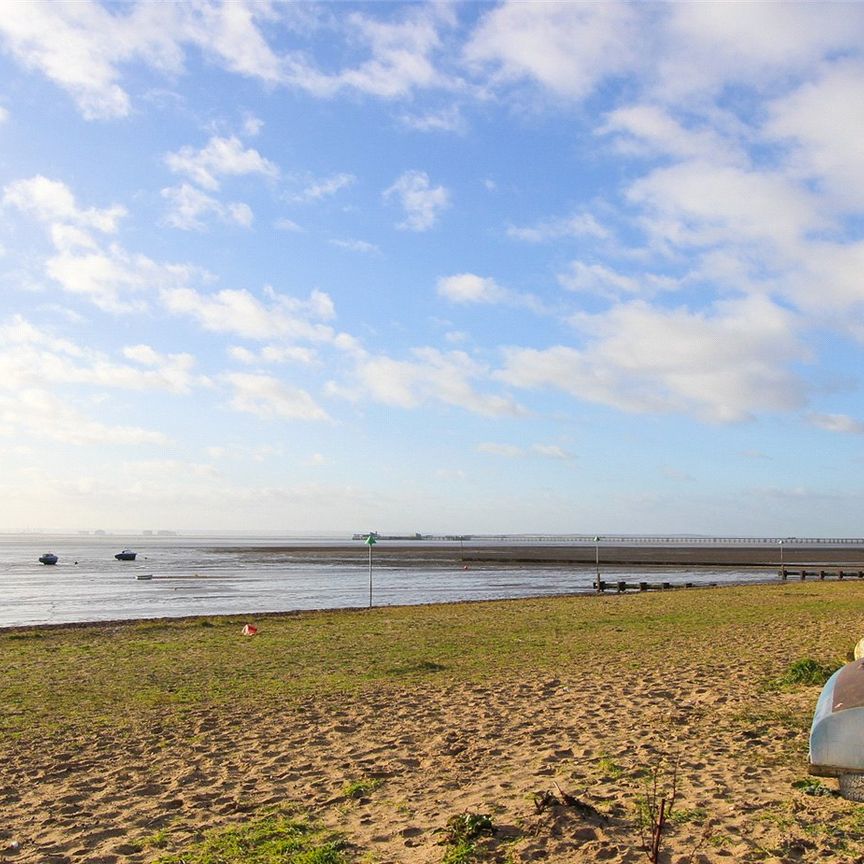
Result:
{"points": [[838, 730], [126, 555], [48, 558]]}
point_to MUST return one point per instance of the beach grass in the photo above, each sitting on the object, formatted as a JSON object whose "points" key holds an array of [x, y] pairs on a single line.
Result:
{"points": [[273, 838], [117, 674]]}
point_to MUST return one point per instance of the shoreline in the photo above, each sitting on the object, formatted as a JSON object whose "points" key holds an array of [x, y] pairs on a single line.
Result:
{"points": [[192, 619], [613, 558]]}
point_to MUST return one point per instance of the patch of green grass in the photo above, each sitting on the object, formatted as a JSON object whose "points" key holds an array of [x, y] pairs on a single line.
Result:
{"points": [[688, 815], [361, 788], [780, 815], [461, 837], [811, 786], [419, 668], [271, 839], [461, 853], [806, 672], [157, 840], [59, 680], [719, 841], [757, 721], [609, 767]]}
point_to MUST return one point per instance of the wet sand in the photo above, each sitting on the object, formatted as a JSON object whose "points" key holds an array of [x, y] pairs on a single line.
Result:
{"points": [[405, 554]]}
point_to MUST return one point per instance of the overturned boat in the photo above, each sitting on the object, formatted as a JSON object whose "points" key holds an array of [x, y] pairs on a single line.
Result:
{"points": [[48, 558], [126, 555], [837, 733]]}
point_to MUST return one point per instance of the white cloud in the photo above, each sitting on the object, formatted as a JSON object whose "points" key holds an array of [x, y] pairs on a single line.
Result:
{"points": [[649, 130], [422, 202], [274, 354], [432, 376], [52, 201], [699, 203], [113, 279], [704, 47], [287, 225], [361, 246], [325, 188], [401, 57], [566, 47], [221, 157], [824, 279], [242, 313], [33, 358], [228, 32], [4, 114], [68, 238], [252, 125], [470, 288], [552, 451], [512, 451], [76, 45], [269, 397], [189, 204], [448, 119], [823, 123], [837, 423], [38, 414], [82, 46], [508, 451], [722, 366], [603, 281], [456, 337], [580, 225]]}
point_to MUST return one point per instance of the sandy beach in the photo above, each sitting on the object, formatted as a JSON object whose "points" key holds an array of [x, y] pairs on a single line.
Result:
{"points": [[586, 696]]}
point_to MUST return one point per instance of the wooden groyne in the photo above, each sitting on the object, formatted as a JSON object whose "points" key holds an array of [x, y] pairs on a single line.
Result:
{"points": [[621, 586], [811, 571], [815, 571]]}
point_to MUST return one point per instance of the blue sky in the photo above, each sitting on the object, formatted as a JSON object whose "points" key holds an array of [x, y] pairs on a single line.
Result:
{"points": [[556, 267]]}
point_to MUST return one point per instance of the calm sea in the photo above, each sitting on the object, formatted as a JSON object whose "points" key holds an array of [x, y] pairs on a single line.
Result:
{"points": [[205, 575]]}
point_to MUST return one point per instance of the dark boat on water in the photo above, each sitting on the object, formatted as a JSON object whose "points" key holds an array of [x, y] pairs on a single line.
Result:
{"points": [[126, 555], [48, 558]]}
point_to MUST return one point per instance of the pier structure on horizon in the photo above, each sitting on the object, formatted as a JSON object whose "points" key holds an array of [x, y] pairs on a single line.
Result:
{"points": [[624, 539]]}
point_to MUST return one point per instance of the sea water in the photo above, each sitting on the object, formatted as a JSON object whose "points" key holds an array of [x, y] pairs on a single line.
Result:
{"points": [[207, 575]]}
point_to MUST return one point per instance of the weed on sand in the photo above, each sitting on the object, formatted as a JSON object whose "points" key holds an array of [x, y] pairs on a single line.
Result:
{"points": [[275, 838]]}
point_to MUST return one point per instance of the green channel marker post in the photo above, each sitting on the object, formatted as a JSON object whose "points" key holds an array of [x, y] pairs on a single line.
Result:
{"points": [[370, 542]]}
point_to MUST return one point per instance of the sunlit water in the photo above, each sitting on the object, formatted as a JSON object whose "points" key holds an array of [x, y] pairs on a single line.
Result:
{"points": [[204, 576]]}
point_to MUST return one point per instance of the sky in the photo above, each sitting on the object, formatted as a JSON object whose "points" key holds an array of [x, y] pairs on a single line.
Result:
{"points": [[436, 267]]}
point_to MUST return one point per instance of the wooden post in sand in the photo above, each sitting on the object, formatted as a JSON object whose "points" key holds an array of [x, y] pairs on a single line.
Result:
{"points": [[370, 542]]}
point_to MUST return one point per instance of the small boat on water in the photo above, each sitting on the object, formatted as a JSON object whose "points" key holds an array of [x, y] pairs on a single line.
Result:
{"points": [[143, 576], [48, 558], [838, 730], [126, 555]]}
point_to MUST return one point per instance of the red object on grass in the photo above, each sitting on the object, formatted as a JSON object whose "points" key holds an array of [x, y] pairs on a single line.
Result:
{"points": [[249, 630]]}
